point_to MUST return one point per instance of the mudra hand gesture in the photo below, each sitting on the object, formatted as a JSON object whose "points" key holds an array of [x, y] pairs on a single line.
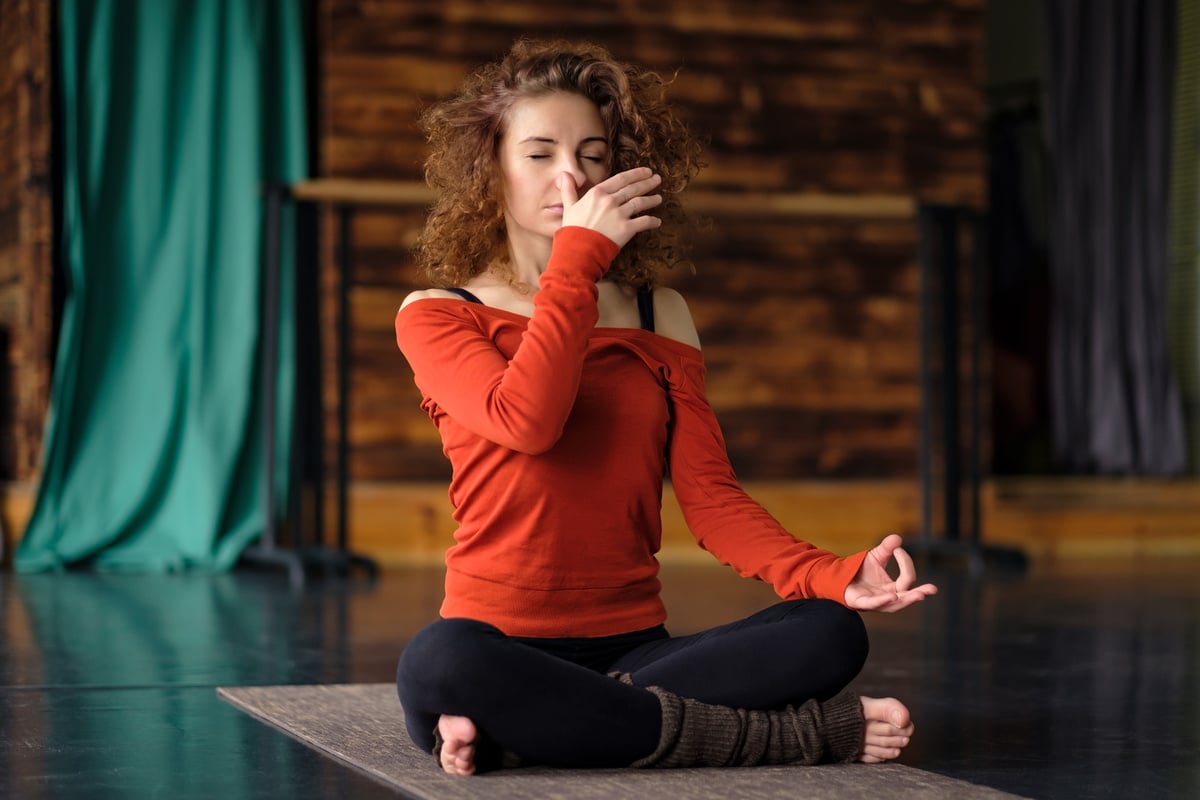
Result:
{"points": [[613, 207], [873, 589]]}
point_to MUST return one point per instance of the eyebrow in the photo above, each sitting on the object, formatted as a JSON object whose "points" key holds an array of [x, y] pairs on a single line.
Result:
{"points": [[548, 140]]}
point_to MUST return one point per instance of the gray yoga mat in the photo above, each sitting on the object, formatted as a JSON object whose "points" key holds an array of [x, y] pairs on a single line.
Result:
{"points": [[363, 725]]}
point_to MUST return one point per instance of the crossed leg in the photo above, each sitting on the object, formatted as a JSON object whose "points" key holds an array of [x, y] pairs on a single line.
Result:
{"points": [[476, 687], [887, 732]]}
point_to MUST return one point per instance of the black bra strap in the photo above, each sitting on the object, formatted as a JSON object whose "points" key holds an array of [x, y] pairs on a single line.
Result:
{"points": [[465, 295], [645, 301]]}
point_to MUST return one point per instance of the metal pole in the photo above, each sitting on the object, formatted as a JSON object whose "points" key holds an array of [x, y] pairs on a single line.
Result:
{"points": [[345, 216], [979, 274], [951, 390], [270, 362], [925, 442]]}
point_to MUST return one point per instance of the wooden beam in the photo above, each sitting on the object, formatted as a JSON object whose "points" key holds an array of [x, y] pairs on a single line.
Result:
{"points": [[801, 204], [349, 191]]}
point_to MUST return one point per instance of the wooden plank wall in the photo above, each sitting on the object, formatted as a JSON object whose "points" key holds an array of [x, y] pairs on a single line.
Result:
{"points": [[1049, 519], [810, 324], [25, 232]]}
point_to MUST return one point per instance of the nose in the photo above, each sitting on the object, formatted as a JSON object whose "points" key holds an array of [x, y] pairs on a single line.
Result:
{"points": [[572, 167]]}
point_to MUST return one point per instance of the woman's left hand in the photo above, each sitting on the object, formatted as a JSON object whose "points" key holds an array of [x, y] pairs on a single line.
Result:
{"points": [[873, 589]]}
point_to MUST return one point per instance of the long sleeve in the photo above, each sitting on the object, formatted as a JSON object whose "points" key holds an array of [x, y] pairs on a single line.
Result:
{"points": [[521, 402], [727, 522], [557, 432]]}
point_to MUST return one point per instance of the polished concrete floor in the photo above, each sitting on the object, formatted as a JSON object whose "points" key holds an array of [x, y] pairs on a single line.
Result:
{"points": [[1074, 681]]}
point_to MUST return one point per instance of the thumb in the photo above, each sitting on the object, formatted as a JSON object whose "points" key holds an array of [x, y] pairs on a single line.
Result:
{"points": [[568, 190]]}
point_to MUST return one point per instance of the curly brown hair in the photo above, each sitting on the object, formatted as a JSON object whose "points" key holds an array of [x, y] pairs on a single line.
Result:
{"points": [[465, 235]]}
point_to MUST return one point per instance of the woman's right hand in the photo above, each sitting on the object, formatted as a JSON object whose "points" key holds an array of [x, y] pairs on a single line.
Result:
{"points": [[614, 207]]}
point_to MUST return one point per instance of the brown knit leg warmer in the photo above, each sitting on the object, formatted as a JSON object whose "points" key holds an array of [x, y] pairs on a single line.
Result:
{"points": [[696, 734]]}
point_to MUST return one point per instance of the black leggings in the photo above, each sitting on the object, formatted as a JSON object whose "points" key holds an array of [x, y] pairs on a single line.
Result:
{"points": [[551, 702]]}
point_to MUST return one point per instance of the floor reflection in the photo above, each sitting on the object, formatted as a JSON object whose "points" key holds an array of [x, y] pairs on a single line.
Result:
{"points": [[109, 685], [1061, 683], [1057, 685]]}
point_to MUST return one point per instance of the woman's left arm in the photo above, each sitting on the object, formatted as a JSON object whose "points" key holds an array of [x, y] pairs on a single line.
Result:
{"points": [[737, 530]]}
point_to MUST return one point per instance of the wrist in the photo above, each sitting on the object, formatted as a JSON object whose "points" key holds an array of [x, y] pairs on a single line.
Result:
{"points": [[581, 251]]}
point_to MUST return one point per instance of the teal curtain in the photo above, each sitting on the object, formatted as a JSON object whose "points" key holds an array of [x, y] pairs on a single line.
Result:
{"points": [[173, 115]]}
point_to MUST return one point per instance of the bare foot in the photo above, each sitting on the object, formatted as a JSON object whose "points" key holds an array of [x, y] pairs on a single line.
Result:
{"points": [[458, 744], [888, 730]]}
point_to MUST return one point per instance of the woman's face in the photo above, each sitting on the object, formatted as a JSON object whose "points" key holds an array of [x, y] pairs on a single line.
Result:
{"points": [[545, 137]]}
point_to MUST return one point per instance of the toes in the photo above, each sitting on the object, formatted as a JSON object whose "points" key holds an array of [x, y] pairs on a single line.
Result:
{"points": [[458, 745], [876, 728], [900, 719], [873, 754], [886, 709], [459, 762], [465, 763], [888, 742], [883, 738]]}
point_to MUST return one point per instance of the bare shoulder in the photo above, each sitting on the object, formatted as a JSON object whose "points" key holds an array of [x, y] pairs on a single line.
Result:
{"points": [[673, 319], [428, 294]]}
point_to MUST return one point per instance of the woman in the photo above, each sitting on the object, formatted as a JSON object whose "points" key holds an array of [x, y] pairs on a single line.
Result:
{"points": [[564, 386]]}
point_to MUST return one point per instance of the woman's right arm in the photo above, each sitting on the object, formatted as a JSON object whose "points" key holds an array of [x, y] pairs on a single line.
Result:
{"points": [[522, 403]]}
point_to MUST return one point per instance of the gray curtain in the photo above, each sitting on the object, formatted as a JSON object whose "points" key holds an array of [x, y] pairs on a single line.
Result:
{"points": [[1115, 402], [1184, 284]]}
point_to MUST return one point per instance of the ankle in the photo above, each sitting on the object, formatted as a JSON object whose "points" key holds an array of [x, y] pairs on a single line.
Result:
{"points": [[844, 725], [696, 734]]}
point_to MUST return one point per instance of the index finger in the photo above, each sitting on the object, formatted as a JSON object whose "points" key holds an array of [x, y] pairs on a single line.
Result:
{"points": [[908, 572], [568, 190]]}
